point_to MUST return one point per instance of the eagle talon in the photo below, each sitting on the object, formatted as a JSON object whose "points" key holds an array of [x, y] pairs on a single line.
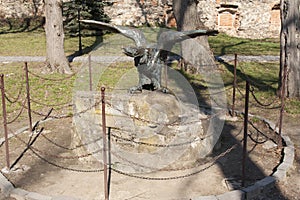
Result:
{"points": [[135, 89], [165, 90]]}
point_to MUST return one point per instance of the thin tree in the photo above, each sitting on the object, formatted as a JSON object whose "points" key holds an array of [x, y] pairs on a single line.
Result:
{"points": [[290, 47], [187, 18], [55, 59]]}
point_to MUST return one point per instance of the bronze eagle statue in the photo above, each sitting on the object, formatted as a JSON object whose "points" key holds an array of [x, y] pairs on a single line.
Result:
{"points": [[149, 59]]}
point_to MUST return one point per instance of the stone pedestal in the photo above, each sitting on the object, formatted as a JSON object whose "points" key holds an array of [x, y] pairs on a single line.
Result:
{"points": [[150, 131]]}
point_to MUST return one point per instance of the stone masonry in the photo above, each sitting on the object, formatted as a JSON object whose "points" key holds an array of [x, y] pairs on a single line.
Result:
{"points": [[140, 12], [247, 19], [20, 8]]}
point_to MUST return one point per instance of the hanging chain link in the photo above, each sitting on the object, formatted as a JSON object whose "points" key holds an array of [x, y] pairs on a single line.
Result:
{"points": [[180, 176]]}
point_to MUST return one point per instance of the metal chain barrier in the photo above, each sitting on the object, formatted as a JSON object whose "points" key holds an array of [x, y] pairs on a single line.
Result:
{"points": [[67, 148], [241, 93], [177, 177], [260, 103], [137, 118], [51, 116], [18, 115], [61, 105], [158, 145], [256, 141], [259, 132], [66, 157], [11, 99], [62, 116], [156, 123], [162, 169], [216, 93], [52, 79], [253, 82], [65, 168], [33, 150]]}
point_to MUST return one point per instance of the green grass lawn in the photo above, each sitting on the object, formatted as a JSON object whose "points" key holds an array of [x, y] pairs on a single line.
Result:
{"points": [[223, 44], [33, 43]]}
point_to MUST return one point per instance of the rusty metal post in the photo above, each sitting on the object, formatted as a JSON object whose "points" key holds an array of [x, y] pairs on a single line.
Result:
{"points": [[79, 32], [166, 76], [109, 159], [234, 86], [245, 133], [90, 73], [104, 143], [28, 96], [279, 142], [5, 121]]}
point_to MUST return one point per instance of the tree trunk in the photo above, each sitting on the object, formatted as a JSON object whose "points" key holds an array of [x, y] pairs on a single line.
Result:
{"points": [[187, 18], [290, 47], [55, 59]]}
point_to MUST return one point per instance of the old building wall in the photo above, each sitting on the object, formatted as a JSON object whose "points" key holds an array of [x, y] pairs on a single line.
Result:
{"points": [[20, 8], [140, 12], [249, 19]]}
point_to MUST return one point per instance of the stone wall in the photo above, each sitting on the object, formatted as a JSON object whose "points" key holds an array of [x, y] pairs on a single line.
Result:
{"points": [[20, 8], [249, 19], [140, 12], [252, 19]]}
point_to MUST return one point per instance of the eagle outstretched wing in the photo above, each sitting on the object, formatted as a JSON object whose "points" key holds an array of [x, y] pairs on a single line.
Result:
{"points": [[136, 35], [167, 39]]}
